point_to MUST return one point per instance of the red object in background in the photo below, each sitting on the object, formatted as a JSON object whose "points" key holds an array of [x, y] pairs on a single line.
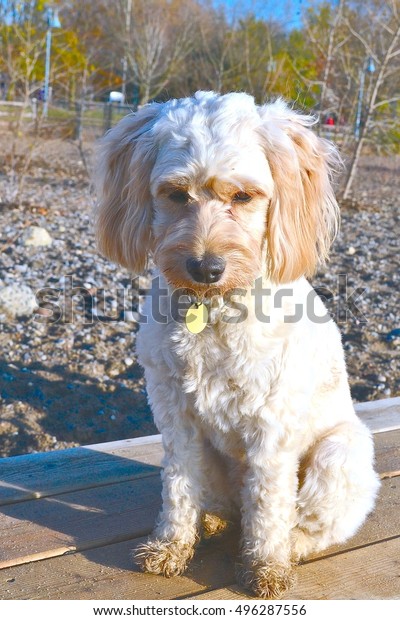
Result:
{"points": [[330, 120]]}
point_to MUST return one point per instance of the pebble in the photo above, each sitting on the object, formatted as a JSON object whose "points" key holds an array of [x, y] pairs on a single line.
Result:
{"points": [[17, 300], [37, 236]]}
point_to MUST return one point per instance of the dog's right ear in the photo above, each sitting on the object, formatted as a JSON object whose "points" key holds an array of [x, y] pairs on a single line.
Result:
{"points": [[124, 209]]}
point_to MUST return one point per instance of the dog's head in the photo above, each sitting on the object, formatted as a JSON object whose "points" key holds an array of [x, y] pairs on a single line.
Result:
{"points": [[218, 191]]}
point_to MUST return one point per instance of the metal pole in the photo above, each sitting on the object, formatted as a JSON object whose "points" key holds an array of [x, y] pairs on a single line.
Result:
{"points": [[360, 101], [124, 74], [128, 15], [47, 71]]}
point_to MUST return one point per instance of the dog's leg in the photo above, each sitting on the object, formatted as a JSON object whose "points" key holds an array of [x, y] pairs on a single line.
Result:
{"points": [[268, 514], [338, 489], [171, 545]]}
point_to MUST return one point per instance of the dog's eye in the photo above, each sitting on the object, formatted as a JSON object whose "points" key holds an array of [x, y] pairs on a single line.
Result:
{"points": [[241, 197], [179, 196]]}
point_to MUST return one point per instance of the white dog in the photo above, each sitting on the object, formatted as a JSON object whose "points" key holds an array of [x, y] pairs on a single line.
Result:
{"points": [[234, 204]]}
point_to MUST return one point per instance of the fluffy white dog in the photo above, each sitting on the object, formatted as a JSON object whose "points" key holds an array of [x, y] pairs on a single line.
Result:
{"points": [[234, 204]]}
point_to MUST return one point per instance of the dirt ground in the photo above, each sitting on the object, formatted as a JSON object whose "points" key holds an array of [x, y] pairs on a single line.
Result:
{"points": [[71, 380]]}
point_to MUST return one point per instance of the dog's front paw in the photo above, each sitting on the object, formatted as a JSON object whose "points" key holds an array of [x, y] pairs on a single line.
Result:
{"points": [[266, 580], [163, 557]]}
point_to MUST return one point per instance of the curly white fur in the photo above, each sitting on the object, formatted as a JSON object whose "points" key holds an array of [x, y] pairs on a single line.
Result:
{"points": [[256, 416]]}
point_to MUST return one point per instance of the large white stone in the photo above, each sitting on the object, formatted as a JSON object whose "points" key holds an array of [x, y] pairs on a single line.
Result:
{"points": [[17, 300], [37, 236]]}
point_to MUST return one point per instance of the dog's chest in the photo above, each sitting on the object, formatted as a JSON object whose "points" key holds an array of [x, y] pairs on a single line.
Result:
{"points": [[229, 379]]}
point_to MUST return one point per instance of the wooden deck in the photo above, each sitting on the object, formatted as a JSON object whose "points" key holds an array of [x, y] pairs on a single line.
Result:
{"points": [[69, 520]]}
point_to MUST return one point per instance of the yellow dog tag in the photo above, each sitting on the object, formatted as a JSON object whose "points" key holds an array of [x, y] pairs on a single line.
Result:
{"points": [[196, 318]]}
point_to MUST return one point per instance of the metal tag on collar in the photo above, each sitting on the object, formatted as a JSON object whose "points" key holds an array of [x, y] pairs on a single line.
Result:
{"points": [[196, 318]]}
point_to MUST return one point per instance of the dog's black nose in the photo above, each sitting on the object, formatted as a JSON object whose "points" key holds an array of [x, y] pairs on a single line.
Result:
{"points": [[207, 269]]}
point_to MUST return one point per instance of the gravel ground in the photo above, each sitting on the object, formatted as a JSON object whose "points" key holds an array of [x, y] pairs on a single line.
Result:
{"points": [[67, 381]]}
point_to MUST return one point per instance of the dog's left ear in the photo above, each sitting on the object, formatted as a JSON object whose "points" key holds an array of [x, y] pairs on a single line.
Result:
{"points": [[124, 209], [303, 215]]}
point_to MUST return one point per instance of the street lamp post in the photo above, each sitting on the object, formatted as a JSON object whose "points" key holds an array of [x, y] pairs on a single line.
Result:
{"points": [[52, 22], [368, 67], [128, 16]]}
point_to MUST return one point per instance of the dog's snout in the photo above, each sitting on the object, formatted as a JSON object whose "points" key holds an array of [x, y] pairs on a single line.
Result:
{"points": [[207, 269]]}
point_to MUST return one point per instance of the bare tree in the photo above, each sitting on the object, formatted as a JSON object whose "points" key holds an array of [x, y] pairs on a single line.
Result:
{"points": [[382, 46], [214, 54], [332, 49], [356, 54], [160, 38], [323, 29]]}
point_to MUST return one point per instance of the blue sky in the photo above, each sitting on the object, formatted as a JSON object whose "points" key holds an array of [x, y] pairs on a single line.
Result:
{"points": [[287, 11]]}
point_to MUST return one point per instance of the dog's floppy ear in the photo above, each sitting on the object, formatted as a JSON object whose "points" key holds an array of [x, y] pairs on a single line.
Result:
{"points": [[124, 209], [303, 216]]}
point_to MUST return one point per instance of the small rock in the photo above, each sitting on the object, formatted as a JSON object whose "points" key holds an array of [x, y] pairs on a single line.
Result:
{"points": [[351, 250], [17, 300], [128, 361], [44, 312], [37, 236]]}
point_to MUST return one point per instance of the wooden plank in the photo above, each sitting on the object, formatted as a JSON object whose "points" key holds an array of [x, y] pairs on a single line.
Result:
{"points": [[45, 474], [108, 573], [94, 563], [368, 573], [121, 445], [52, 526], [380, 415], [42, 475], [387, 452], [34, 530]]}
